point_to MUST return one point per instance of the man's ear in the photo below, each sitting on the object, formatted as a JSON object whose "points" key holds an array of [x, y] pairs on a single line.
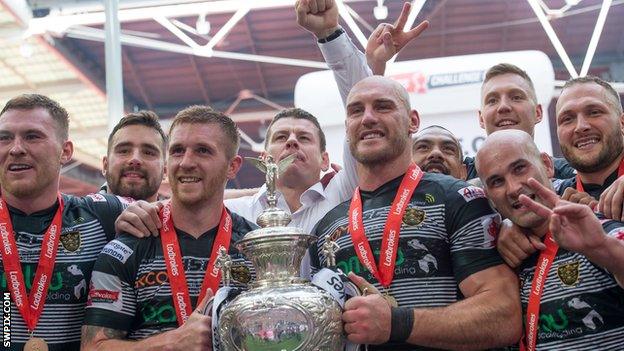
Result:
{"points": [[548, 163], [235, 164], [481, 121], [324, 161], [538, 113], [414, 121], [104, 165], [67, 151]]}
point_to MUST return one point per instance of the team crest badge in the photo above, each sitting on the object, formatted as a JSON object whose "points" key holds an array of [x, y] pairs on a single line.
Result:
{"points": [[70, 241], [413, 216], [569, 273], [241, 273]]}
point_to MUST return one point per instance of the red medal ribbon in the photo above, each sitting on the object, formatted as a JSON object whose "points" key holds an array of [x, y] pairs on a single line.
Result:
{"points": [[579, 184], [392, 228], [175, 267], [544, 262], [30, 306]]}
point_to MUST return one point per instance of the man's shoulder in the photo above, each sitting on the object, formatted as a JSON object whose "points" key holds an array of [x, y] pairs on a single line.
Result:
{"points": [[452, 189], [561, 184], [563, 170], [124, 246], [94, 200], [241, 226]]}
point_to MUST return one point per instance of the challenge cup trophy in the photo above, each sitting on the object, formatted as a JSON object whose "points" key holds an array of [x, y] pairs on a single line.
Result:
{"points": [[280, 311]]}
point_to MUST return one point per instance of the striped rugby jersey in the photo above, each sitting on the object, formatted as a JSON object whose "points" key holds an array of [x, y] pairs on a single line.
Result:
{"points": [[130, 288], [447, 234], [88, 224], [582, 306]]}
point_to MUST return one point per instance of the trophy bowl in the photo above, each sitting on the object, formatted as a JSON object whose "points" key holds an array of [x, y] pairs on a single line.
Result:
{"points": [[281, 310]]}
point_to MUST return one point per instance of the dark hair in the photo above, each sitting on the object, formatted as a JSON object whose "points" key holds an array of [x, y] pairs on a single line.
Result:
{"points": [[207, 115], [508, 68], [297, 113], [142, 118], [615, 97], [33, 101], [435, 126]]}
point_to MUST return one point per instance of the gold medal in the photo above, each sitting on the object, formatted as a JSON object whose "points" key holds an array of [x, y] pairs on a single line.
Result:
{"points": [[36, 344]]}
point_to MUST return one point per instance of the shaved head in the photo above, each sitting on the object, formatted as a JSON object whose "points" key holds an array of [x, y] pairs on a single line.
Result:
{"points": [[509, 137], [399, 91]]}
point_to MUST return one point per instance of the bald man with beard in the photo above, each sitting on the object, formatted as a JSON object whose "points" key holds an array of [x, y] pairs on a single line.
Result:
{"points": [[582, 262], [434, 222]]}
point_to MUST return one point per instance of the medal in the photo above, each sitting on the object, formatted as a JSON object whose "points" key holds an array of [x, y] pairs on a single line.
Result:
{"points": [[175, 267], [384, 271], [30, 306], [36, 344]]}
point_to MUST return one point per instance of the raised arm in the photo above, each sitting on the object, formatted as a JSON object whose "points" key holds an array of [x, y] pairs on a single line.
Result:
{"points": [[389, 39], [320, 17], [576, 228]]}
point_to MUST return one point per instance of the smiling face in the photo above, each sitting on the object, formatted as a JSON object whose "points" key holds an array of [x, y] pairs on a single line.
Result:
{"points": [[589, 127], [135, 163], [198, 165], [290, 135], [508, 102], [379, 122], [436, 150], [505, 163], [31, 153]]}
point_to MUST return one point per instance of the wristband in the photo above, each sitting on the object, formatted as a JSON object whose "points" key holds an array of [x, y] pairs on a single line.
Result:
{"points": [[332, 36], [401, 323]]}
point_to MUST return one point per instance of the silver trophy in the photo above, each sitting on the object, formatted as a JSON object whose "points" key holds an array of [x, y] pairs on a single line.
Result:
{"points": [[280, 311]]}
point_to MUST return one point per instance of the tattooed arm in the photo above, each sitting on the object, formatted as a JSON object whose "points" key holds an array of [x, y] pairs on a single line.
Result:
{"points": [[195, 334]]}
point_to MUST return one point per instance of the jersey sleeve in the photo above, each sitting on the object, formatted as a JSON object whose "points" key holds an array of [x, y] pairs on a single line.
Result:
{"points": [[347, 63], [112, 298], [473, 227], [107, 208]]}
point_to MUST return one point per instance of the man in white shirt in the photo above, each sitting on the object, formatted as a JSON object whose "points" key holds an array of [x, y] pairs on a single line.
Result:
{"points": [[299, 189]]}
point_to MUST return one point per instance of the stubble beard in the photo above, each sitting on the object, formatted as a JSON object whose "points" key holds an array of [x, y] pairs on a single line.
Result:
{"points": [[611, 150], [380, 157]]}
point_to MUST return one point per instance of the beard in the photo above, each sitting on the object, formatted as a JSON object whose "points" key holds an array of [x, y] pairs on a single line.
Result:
{"points": [[389, 153], [211, 187], [613, 145], [138, 191]]}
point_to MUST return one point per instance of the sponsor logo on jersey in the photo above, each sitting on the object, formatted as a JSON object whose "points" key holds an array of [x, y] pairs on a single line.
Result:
{"points": [[105, 292], [151, 278], [568, 273], [471, 192], [118, 250], [103, 296], [97, 197], [340, 231], [617, 233], [429, 198], [491, 226]]}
